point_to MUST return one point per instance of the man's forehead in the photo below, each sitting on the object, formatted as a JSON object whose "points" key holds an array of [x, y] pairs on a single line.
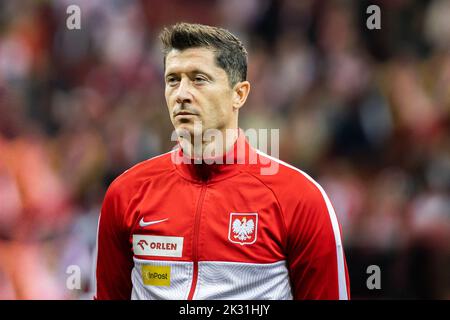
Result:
{"points": [[190, 58]]}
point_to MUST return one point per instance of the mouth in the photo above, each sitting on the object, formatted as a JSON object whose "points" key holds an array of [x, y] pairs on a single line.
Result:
{"points": [[184, 113]]}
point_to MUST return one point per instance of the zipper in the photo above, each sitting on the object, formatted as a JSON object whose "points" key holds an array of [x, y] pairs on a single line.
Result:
{"points": [[195, 242]]}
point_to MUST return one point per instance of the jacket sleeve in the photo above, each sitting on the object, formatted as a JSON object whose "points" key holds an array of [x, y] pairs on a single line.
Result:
{"points": [[316, 258], [114, 256]]}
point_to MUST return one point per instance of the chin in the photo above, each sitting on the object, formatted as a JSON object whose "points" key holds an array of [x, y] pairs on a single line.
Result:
{"points": [[189, 127], [184, 129]]}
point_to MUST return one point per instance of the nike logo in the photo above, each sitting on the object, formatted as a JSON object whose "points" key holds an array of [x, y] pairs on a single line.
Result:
{"points": [[143, 224]]}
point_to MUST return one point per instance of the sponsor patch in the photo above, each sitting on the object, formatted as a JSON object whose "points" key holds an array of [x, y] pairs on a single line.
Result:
{"points": [[243, 228], [156, 275], [160, 246]]}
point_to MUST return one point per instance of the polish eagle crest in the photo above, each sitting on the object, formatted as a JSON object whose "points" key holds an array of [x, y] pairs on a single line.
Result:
{"points": [[243, 228]]}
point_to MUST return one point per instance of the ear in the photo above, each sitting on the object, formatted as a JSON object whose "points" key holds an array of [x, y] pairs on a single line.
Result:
{"points": [[240, 94]]}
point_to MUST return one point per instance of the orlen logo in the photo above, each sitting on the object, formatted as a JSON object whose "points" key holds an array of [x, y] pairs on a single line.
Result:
{"points": [[158, 245], [141, 244], [145, 245]]}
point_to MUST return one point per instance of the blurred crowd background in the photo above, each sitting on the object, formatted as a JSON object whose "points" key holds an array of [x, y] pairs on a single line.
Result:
{"points": [[365, 112]]}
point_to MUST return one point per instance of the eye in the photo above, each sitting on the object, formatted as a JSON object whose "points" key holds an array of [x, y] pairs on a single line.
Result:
{"points": [[200, 79], [171, 81]]}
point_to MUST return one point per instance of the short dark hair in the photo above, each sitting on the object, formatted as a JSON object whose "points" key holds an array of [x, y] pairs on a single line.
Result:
{"points": [[230, 53]]}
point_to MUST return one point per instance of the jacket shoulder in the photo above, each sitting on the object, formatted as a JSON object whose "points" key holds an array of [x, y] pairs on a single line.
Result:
{"points": [[283, 177], [143, 171]]}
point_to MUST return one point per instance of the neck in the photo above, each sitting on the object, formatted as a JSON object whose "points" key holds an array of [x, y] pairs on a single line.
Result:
{"points": [[210, 143]]}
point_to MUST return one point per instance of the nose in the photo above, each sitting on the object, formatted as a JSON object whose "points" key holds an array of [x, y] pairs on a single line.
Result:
{"points": [[183, 94]]}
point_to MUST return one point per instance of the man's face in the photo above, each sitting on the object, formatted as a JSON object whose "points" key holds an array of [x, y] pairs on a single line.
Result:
{"points": [[197, 90]]}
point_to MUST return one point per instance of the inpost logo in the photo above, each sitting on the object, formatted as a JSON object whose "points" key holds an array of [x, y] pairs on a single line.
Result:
{"points": [[156, 275]]}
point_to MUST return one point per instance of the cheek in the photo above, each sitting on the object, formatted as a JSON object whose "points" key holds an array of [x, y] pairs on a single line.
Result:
{"points": [[225, 104], [167, 95], [216, 104], [169, 99]]}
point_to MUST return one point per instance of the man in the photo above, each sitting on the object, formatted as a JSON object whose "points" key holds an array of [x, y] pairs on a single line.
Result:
{"points": [[180, 226]]}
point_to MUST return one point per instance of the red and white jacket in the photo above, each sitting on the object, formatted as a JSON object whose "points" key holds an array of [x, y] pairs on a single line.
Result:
{"points": [[174, 230]]}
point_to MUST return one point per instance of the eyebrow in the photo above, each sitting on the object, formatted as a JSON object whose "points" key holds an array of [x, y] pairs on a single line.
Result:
{"points": [[195, 71]]}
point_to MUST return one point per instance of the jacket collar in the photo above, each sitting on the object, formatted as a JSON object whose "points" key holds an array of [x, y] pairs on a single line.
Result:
{"points": [[215, 169]]}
